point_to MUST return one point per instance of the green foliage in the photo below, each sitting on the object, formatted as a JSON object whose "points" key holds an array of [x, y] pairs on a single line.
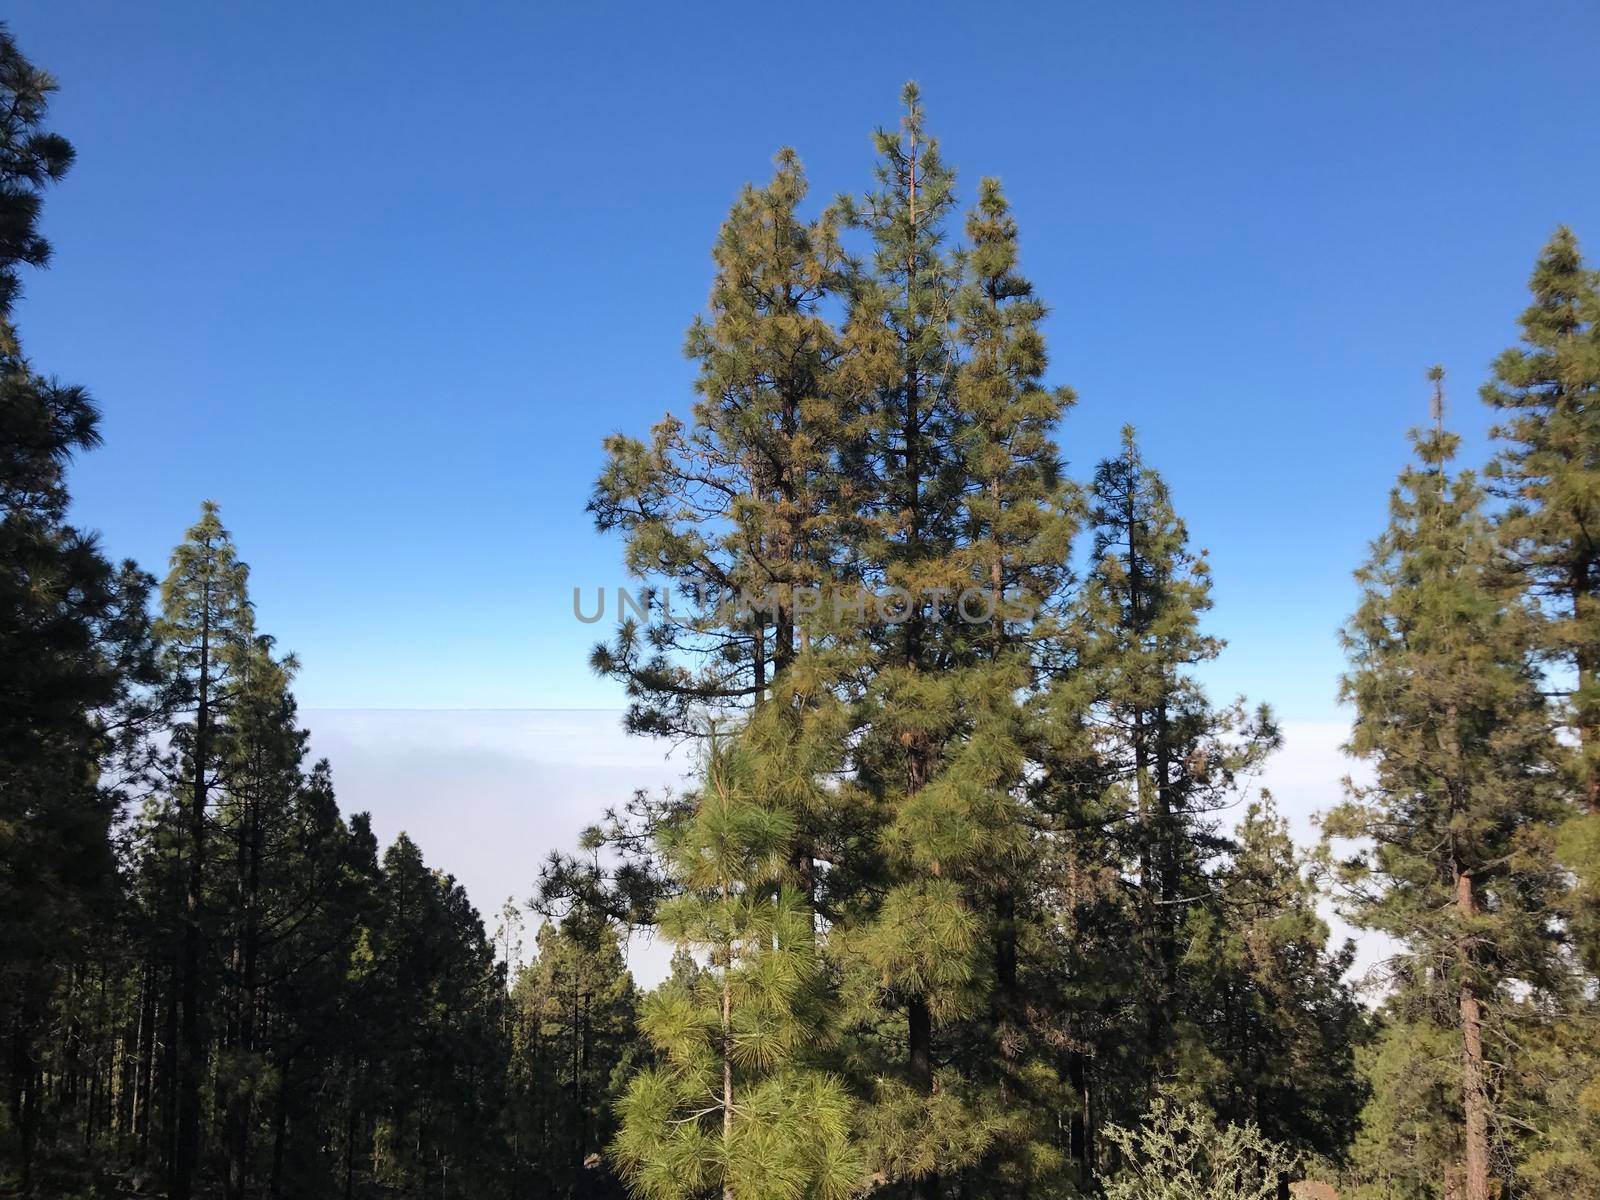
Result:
{"points": [[1410, 1142], [573, 1044], [1548, 389], [31, 158], [1449, 712], [1267, 1027], [1144, 760], [75, 659], [1578, 848], [737, 509], [735, 1104], [1179, 1152], [1456, 835]]}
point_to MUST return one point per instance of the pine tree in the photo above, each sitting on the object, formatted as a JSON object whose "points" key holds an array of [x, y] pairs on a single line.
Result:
{"points": [[736, 1107], [739, 510], [259, 776], [1410, 1142], [1462, 811], [904, 471], [1019, 517], [433, 996], [316, 888], [1164, 757], [962, 513], [74, 657], [915, 926], [1546, 468], [1550, 390], [574, 1039], [736, 508], [31, 158], [206, 636], [1268, 1027], [889, 472]]}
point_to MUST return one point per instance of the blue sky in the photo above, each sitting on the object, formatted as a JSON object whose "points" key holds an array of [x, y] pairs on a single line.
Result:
{"points": [[378, 278]]}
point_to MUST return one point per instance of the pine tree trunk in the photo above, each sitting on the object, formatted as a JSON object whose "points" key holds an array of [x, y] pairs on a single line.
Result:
{"points": [[919, 1019], [1474, 1085], [1588, 719], [144, 1074], [727, 1054], [1149, 832], [581, 1033], [919, 759], [169, 1069], [1167, 839], [25, 1084], [919, 1022], [191, 1055], [1079, 1142], [252, 1017], [235, 1120], [280, 1126], [140, 1067], [760, 664]]}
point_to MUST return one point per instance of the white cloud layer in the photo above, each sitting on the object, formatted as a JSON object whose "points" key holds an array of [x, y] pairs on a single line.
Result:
{"points": [[488, 794]]}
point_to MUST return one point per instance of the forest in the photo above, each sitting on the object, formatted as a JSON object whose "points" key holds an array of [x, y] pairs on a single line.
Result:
{"points": [[973, 896]]}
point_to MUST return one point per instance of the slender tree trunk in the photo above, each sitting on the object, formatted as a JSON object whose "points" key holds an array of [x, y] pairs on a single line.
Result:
{"points": [[191, 1058], [169, 1070], [280, 1126], [584, 1102], [135, 1083], [1079, 1141], [919, 1019], [1474, 1083], [233, 1122], [919, 758], [1167, 840], [350, 1142], [1149, 939], [1150, 833], [25, 1084], [144, 1062], [1588, 718], [239, 1115], [919, 1023], [1008, 1006], [727, 1052], [1007, 989], [579, 1099], [760, 665], [102, 1077]]}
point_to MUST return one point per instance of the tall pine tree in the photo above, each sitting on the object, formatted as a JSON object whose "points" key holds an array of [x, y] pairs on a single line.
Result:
{"points": [[1164, 757], [206, 634], [1460, 817], [74, 654]]}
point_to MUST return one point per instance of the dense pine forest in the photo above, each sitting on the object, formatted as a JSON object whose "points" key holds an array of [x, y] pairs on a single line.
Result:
{"points": [[975, 894]]}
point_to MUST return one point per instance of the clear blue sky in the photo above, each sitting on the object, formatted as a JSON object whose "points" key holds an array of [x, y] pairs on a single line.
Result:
{"points": [[379, 277]]}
